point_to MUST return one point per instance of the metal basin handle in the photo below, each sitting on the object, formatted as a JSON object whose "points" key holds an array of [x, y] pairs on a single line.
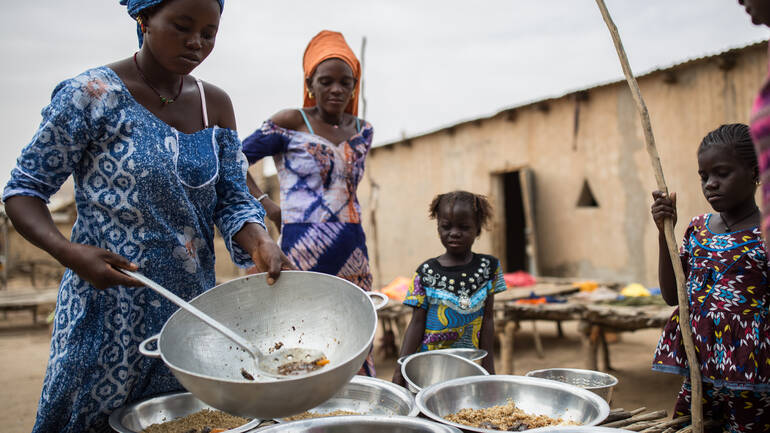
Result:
{"points": [[383, 299], [144, 350]]}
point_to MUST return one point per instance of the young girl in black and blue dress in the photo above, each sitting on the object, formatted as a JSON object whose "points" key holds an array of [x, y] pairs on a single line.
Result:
{"points": [[453, 294], [725, 265]]}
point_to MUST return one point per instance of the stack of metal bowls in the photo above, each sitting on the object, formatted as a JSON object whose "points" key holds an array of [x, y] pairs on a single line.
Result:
{"points": [[427, 368], [365, 423], [302, 309], [597, 382], [532, 395], [369, 396], [138, 416]]}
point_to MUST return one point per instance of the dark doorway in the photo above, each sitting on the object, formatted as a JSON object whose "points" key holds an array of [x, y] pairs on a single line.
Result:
{"points": [[515, 224]]}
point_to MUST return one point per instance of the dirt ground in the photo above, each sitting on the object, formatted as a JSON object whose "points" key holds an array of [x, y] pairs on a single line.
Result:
{"points": [[24, 353]]}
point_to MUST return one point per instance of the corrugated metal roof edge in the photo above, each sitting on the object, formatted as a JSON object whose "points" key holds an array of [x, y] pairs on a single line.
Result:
{"points": [[504, 111]]}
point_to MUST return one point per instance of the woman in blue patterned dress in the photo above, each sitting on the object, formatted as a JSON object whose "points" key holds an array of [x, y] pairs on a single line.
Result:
{"points": [[319, 151], [156, 163]]}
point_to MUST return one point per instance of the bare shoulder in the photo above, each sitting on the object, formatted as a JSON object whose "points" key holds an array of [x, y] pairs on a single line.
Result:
{"points": [[219, 106], [288, 119]]}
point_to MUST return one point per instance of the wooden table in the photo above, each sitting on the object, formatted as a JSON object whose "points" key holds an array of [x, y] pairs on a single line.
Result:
{"points": [[595, 321], [27, 300]]}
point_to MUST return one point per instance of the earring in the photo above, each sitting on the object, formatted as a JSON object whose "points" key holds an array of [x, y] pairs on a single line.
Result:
{"points": [[141, 24], [353, 95], [309, 94]]}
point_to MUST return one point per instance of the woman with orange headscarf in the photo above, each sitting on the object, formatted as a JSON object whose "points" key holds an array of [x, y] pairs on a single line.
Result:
{"points": [[319, 151]]}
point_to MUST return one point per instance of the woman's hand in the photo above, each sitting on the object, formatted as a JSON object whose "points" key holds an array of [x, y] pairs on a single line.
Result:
{"points": [[273, 212], [97, 266], [398, 379], [264, 252], [663, 207]]}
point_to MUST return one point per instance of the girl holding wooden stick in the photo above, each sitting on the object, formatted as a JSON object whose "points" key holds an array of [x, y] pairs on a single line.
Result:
{"points": [[725, 264]]}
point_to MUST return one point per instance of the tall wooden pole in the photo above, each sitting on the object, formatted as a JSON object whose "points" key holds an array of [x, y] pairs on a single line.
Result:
{"points": [[696, 406], [363, 62], [373, 186]]}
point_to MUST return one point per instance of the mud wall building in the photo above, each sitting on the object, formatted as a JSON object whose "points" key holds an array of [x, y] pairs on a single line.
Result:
{"points": [[571, 174]]}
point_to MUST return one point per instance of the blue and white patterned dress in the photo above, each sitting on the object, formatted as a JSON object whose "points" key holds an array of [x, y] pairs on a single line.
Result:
{"points": [[149, 193]]}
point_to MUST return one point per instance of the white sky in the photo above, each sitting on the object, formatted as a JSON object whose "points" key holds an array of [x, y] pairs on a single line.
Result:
{"points": [[429, 63]]}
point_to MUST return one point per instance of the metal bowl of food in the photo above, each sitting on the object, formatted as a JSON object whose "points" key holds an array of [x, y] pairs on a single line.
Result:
{"points": [[597, 382], [363, 423], [136, 417], [307, 310], [467, 353], [532, 395], [365, 396], [426, 368]]}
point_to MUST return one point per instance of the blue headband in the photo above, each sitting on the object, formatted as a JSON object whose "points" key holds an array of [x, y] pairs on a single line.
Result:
{"points": [[135, 7]]}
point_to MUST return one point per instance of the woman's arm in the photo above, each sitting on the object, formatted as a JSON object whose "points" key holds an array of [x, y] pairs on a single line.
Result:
{"points": [[664, 207], [487, 339], [272, 210], [412, 339], [264, 252], [31, 218]]}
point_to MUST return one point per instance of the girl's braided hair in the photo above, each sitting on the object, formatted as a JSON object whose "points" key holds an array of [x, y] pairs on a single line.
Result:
{"points": [[737, 137], [480, 205]]}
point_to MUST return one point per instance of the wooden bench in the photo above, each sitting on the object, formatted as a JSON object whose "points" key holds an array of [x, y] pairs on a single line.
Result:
{"points": [[595, 321], [27, 300]]}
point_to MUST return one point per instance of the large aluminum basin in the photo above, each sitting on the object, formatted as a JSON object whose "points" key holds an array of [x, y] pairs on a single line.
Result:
{"points": [[302, 309]]}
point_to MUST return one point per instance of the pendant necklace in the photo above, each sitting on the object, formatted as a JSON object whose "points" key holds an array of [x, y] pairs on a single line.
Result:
{"points": [[333, 125], [734, 223], [163, 99]]}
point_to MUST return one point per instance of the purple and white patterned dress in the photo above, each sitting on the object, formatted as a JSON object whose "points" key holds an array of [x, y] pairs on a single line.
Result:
{"points": [[149, 193], [321, 219]]}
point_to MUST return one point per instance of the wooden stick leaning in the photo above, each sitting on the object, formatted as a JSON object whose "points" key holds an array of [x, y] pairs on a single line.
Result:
{"points": [[696, 408]]}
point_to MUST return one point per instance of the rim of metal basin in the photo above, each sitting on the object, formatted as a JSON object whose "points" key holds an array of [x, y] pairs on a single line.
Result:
{"points": [[318, 424], [467, 353], [611, 380], [411, 385], [396, 389], [578, 429]]}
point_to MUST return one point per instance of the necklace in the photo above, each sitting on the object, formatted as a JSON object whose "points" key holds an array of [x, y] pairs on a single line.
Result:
{"points": [[163, 99], [734, 223], [333, 125]]}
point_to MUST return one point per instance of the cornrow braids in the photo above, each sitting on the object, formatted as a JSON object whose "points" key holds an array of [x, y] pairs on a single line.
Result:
{"points": [[737, 137], [480, 205]]}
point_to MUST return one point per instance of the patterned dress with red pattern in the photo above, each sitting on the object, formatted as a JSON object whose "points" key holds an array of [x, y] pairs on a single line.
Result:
{"points": [[728, 296], [728, 293]]}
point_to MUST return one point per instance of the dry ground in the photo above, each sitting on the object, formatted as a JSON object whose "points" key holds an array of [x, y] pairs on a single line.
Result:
{"points": [[24, 353]]}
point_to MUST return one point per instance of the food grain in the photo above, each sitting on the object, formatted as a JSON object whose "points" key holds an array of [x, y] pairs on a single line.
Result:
{"points": [[505, 417], [206, 420]]}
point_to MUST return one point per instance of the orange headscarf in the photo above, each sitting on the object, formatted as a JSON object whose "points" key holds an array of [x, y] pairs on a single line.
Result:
{"points": [[330, 45]]}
